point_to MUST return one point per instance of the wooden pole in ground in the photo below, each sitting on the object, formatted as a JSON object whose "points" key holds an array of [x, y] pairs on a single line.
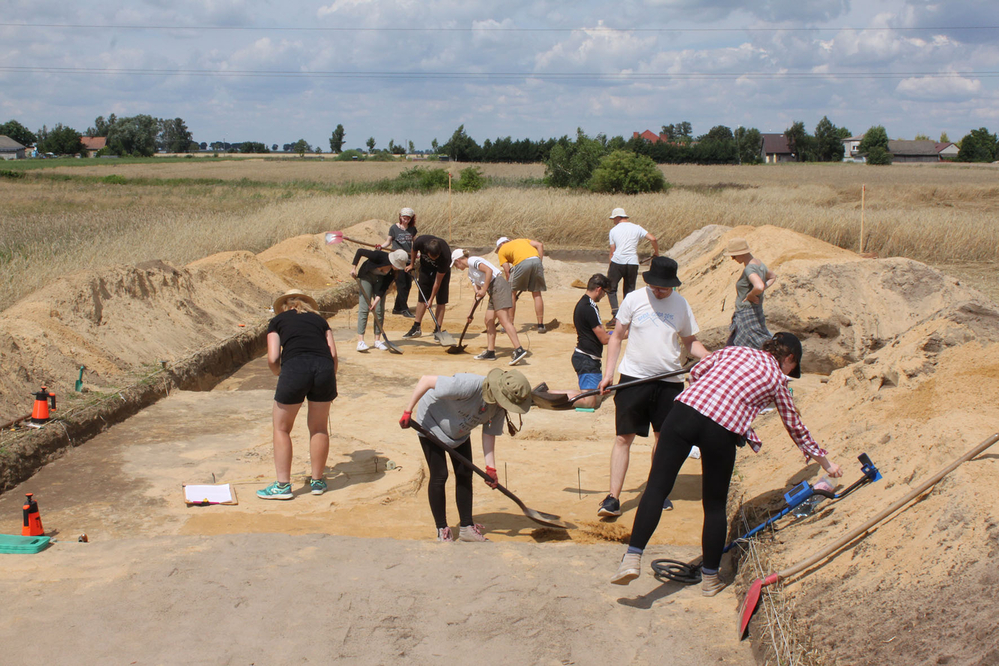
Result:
{"points": [[450, 237], [863, 192]]}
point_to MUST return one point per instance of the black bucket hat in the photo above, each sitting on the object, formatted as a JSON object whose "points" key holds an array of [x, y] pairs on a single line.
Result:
{"points": [[791, 341], [662, 273]]}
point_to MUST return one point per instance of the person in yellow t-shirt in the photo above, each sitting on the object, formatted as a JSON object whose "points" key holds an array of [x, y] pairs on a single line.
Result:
{"points": [[521, 260]]}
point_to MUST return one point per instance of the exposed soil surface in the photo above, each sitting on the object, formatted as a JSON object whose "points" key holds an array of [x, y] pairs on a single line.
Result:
{"points": [[901, 363]]}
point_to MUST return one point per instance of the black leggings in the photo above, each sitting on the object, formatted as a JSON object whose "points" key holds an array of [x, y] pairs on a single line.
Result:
{"points": [[686, 427], [437, 461], [403, 283]]}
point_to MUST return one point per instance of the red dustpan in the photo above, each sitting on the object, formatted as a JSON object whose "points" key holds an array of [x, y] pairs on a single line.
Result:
{"points": [[752, 600]]}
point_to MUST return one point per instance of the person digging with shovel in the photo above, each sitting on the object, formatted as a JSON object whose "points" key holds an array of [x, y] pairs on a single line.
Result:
{"points": [[450, 408], [374, 279], [432, 282], [488, 281], [728, 388]]}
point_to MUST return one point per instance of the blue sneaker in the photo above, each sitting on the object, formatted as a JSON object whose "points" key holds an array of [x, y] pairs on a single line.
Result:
{"points": [[318, 486], [281, 491]]}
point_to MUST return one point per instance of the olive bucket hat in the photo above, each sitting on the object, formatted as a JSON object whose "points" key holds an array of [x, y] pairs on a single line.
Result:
{"points": [[509, 388]]}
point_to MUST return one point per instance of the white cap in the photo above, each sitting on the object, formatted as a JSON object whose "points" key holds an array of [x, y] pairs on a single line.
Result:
{"points": [[618, 212], [407, 212], [456, 255], [399, 259], [502, 239]]}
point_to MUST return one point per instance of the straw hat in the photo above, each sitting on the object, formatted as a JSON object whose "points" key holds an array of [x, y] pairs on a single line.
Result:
{"points": [[509, 388], [399, 259], [293, 293], [618, 212], [737, 247]]}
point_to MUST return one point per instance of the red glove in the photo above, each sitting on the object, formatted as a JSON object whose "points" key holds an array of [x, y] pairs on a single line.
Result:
{"points": [[404, 421], [491, 471]]}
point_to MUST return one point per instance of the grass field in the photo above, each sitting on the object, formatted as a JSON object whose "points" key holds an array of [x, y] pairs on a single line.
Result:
{"points": [[63, 217]]}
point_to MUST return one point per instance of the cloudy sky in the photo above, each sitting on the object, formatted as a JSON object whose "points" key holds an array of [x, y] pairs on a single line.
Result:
{"points": [[413, 70]]}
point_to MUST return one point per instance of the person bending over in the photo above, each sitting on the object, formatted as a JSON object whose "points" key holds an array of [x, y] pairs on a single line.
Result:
{"points": [[488, 281]]}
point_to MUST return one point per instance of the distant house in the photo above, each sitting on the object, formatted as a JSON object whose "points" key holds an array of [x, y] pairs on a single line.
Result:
{"points": [[851, 149], [649, 136], [947, 150], [913, 151], [10, 149], [93, 144], [775, 148]]}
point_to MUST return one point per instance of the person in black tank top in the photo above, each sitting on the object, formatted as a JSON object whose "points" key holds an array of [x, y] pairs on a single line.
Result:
{"points": [[301, 351]]}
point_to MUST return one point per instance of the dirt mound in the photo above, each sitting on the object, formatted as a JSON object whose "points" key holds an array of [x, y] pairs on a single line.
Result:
{"points": [[842, 305]]}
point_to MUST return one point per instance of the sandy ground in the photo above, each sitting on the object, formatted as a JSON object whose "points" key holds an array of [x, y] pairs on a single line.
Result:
{"points": [[907, 361]]}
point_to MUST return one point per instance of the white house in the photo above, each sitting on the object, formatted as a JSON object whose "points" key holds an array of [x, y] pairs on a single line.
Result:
{"points": [[10, 149], [851, 149]]}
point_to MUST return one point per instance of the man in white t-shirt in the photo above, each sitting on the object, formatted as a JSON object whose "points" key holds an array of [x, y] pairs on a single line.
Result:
{"points": [[624, 237], [658, 323]]}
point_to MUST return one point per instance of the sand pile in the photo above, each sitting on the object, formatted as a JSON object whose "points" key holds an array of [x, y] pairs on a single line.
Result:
{"points": [[307, 261], [846, 306]]}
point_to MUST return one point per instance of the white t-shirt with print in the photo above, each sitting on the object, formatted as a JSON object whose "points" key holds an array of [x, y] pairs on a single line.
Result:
{"points": [[624, 236], [654, 344], [475, 274]]}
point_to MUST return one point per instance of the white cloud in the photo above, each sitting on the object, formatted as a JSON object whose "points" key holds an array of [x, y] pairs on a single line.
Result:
{"points": [[946, 89]]}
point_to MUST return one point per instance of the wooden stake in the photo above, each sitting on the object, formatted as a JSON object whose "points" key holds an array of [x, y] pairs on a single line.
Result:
{"points": [[579, 483], [863, 192], [450, 236], [506, 476]]}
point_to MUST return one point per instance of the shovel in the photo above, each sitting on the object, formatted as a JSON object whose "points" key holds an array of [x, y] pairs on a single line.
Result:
{"points": [[374, 318], [337, 237], [460, 348], [540, 517], [79, 382], [443, 337], [561, 402], [752, 599]]}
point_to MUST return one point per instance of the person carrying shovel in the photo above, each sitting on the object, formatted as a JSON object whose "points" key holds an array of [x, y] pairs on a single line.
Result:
{"points": [[374, 278], [488, 281], [450, 408], [727, 390]]}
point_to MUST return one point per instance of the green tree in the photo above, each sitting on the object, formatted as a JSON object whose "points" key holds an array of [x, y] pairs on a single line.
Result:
{"points": [[827, 144], [878, 156], [944, 138], [102, 126], [921, 137], [625, 172], [875, 136], [798, 141], [336, 139], [571, 164], [174, 137], [471, 180], [461, 147], [717, 133], [434, 146], [253, 147], [18, 132], [301, 147], [978, 146], [60, 140], [135, 135], [748, 144], [371, 144], [412, 148]]}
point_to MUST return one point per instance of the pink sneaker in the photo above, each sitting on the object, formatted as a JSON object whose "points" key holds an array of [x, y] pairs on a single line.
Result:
{"points": [[471, 533], [444, 535]]}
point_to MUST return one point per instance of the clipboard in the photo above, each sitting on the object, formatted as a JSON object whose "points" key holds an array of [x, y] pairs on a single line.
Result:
{"points": [[206, 495]]}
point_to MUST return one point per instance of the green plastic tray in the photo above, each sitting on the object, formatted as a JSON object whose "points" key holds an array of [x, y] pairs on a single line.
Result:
{"points": [[10, 543]]}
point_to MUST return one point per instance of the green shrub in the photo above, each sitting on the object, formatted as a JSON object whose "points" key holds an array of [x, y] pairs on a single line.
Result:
{"points": [[10, 173], [349, 155], [878, 156], [427, 180], [471, 180], [114, 179], [627, 173]]}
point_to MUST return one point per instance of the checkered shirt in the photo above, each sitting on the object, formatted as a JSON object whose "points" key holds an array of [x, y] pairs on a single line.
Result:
{"points": [[732, 385]]}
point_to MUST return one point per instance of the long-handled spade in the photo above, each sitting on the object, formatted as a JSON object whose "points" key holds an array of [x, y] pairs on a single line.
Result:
{"points": [[374, 317], [460, 348], [562, 402], [752, 599], [337, 237], [540, 517]]}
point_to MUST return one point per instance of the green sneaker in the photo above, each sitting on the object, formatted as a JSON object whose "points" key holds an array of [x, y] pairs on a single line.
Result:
{"points": [[281, 491], [318, 486]]}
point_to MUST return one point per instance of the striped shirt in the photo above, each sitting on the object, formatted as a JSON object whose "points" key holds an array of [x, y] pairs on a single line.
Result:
{"points": [[732, 385]]}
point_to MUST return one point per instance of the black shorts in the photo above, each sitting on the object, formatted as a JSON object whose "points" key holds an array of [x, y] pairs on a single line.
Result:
{"points": [[639, 406], [585, 365], [426, 280], [306, 376]]}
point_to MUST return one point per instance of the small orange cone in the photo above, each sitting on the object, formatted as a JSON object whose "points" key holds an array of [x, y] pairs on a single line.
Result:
{"points": [[32, 519]]}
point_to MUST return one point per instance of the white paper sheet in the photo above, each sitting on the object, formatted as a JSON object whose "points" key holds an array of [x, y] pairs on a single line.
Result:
{"points": [[212, 494]]}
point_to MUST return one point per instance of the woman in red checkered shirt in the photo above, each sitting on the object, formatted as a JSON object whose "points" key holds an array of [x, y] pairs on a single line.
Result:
{"points": [[728, 388]]}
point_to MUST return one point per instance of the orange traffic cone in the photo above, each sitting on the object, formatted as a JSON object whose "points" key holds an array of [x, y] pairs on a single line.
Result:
{"points": [[32, 519], [40, 413]]}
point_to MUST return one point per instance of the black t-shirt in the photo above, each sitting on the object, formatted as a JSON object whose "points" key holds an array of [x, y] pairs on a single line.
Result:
{"points": [[442, 263], [402, 239], [585, 318], [375, 259], [301, 333]]}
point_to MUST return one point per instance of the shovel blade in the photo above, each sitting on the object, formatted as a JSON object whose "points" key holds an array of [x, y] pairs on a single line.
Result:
{"points": [[333, 237], [749, 605], [446, 339], [546, 519], [456, 349]]}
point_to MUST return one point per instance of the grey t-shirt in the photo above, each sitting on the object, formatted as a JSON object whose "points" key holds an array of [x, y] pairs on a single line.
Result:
{"points": [[744, 286], [455, 407]]}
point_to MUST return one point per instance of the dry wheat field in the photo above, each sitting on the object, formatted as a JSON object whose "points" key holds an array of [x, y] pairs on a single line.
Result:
{"points": [[941, 214]]}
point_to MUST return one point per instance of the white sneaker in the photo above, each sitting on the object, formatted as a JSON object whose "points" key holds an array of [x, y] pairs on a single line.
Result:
{"points": [[362, 346], [695, 453], [381, 345]]}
